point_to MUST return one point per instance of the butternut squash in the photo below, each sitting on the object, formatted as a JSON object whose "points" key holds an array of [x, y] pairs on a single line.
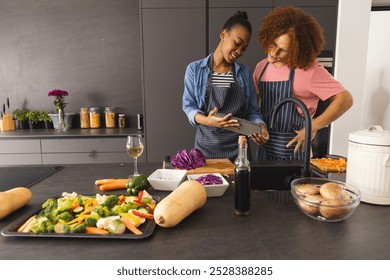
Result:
{"points": [[13, 199], [180, 203]]}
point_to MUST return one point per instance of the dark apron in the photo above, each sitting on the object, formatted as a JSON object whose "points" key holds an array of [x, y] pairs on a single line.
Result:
{"points": [[217, 142], [286, 122]]}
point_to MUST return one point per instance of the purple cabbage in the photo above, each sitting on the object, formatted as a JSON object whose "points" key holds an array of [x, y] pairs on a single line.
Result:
{"points": [[188, 160], [198, 158], [209, 179]]}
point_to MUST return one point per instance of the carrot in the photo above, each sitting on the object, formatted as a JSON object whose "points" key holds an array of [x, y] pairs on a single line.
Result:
{"points": [[130, 226], [107, 181], [104, 181], [26, 226], [143, 214], [118, 184], [95, 230]]}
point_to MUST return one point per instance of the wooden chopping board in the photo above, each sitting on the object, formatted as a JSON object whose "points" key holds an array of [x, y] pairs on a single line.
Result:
{"points": [[220, 165]]}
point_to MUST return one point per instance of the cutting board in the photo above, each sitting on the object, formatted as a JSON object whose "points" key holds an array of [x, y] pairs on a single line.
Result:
{"points": [[218, 165]]}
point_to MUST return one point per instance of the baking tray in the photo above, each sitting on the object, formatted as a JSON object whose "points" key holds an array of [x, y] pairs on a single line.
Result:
{"points": [[11, 230]]}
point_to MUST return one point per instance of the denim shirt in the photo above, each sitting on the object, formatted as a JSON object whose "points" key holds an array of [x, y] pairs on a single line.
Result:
{"points": [[195, 83]]}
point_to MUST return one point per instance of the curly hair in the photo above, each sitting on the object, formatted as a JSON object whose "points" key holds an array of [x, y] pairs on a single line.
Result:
{"points": [[306, 35]]}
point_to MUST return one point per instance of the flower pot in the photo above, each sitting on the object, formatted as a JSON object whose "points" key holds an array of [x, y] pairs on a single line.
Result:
{"points": [[34, 125], [68, 120], [48, 124], [23, 125]]}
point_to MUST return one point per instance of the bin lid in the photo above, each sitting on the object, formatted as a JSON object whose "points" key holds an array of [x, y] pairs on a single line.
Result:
{"points": [[374, 135]]}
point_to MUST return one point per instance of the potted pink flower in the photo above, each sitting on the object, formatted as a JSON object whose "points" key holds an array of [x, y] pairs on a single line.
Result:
{"points": [[59, 103]]}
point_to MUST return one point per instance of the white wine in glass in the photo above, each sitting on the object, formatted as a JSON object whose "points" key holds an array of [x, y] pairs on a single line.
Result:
{"points": [[134, 148]]}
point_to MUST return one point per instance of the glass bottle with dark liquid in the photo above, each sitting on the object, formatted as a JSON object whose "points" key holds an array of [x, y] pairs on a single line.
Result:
{"points": [[242, 170]]}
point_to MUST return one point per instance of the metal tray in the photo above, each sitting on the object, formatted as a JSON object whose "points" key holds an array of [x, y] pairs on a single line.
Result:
{"points": [[11, 230]]}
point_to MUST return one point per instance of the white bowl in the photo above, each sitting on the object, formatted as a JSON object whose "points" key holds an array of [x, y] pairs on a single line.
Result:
{"points": [[212, 190], [167, 179]]}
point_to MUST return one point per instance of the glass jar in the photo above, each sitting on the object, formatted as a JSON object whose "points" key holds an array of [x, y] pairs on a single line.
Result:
{"points": [[94, 117], [109, 113], [84, 118], [121, 120]]}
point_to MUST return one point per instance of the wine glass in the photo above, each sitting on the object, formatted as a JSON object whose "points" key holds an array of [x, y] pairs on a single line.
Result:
{"points": [[134, 147]]}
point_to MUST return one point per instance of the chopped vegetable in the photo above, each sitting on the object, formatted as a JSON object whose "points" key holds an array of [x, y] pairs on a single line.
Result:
{"points": [[100, 214], [116, 227], [129, 225], [142, 214], [95, 230], [209, 179], [26, 226]]}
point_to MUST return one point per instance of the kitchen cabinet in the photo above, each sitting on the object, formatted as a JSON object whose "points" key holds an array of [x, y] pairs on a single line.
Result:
{"points": [[36, 147], [19, 152], [173, 35], [89, 150]]}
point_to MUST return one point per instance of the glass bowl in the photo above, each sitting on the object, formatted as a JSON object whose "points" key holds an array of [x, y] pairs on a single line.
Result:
{"points": [[324, 199]]}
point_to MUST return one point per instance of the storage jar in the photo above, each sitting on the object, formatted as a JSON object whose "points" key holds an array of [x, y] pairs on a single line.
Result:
{"points": [[109, 113], [84, 118], [368, 167], [94, 117]]}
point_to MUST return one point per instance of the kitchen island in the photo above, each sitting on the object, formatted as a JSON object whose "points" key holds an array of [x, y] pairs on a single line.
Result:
{"points": [[275, 229]]}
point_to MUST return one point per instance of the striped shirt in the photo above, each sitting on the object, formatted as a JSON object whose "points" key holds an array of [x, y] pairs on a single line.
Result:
{"points": [[222, 79]]}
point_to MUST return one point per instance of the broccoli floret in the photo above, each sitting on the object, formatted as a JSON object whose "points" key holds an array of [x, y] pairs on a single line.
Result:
{"points": [[77, 228], [41, 224], [110, 201], [102, 211], [117, 209], [64, 204], [127, 206], [61, 228], [90, 221], [65, 216], [82, 199], [50, 202]]}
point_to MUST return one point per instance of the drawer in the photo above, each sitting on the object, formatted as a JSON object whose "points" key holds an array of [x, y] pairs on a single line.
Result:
{"points": [[20, 159], [84, 158], [85, 145], [23, 146]]}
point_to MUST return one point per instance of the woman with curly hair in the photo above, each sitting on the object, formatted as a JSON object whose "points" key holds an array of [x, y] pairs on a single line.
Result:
{"points": [[217, 83], [293, 40]]}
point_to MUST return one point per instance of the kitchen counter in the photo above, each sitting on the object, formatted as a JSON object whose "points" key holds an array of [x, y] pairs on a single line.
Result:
{"points": [[275, 230], [71, 133]]}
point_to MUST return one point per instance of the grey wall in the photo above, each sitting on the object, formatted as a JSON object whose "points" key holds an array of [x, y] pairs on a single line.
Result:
{"points": [[91, 48]]}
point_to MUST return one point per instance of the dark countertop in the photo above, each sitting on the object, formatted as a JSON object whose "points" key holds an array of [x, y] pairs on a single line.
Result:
{"points": [[275, 230], [71, 133]]}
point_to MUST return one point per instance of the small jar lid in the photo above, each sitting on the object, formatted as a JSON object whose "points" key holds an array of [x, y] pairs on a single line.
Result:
{"points": [[121, 115], [94, 109], [109, 109]]}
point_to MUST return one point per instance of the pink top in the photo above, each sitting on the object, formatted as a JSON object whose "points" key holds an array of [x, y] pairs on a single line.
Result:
{"points": [[309, 85]]}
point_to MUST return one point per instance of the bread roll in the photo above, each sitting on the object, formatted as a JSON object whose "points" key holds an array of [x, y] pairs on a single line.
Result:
{"points": [[329, 209], [332, 191], [309, 207], [307, 189]]}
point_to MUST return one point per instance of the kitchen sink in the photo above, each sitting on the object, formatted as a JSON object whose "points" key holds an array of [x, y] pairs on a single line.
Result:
{"points": [[275, 175]]}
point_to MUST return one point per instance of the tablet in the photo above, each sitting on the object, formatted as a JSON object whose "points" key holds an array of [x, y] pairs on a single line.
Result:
{"points": [[246, 127]]}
